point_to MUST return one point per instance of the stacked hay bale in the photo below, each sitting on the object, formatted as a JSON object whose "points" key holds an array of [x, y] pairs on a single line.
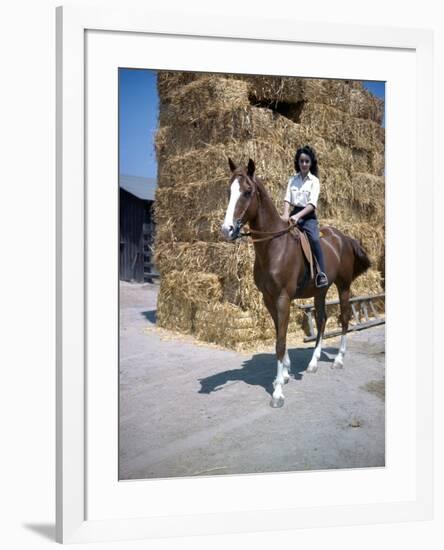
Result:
{"points": [[207, 286]]}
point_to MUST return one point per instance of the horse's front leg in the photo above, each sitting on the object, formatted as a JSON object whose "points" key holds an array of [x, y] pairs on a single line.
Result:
{"points": [[283, 361], [272, 309], [286, 367]]}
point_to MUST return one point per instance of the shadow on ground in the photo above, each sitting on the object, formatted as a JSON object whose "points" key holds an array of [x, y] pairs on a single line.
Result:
{"points": [[260, 370], [150, 316]]}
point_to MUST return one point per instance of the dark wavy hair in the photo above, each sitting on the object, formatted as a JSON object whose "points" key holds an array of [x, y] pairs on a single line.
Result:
{"points": [[307, 150]]}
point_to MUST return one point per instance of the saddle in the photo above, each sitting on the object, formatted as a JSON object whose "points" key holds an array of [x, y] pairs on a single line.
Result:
{"points": [[306, 249]]}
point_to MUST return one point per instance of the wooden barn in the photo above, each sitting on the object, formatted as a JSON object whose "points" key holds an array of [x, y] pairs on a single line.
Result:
{"points": [[136, 228]]}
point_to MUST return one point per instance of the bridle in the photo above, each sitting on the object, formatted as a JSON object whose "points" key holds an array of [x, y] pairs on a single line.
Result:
{"points": [[266, 235]]}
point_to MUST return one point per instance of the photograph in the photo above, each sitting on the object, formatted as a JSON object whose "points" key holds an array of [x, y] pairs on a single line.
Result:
{"points": [[251, 274]]}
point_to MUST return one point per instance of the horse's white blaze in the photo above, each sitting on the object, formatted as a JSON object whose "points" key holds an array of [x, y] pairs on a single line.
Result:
{"points": [[227, 226]]}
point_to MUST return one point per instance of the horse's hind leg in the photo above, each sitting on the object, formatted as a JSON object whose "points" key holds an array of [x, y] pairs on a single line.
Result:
{"points": [[321, 320], [344, 301]]}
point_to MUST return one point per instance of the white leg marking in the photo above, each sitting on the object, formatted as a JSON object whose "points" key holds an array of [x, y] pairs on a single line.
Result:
{"points": [[287, 364], [279, 381], [339, 359], [227, 226], [318, 349], [313, 365]]}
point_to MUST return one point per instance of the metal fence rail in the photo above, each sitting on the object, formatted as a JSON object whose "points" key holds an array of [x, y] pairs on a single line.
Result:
{"points": [[363, 309]]}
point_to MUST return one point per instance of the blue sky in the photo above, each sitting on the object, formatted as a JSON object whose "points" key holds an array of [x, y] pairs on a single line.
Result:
{"points": [[138, 110], [375, 87]]}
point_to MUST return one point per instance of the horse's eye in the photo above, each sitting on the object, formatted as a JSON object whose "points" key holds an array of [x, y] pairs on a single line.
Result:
{"points": [[247, 193]]}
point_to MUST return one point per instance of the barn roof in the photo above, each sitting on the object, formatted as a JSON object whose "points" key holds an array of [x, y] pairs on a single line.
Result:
{"points": [[143, 188]]}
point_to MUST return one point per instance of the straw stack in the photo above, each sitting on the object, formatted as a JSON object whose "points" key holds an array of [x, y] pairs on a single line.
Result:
{"points": [[207, 286]]}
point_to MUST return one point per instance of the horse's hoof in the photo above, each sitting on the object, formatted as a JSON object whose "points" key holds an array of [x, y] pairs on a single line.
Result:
{"points": [[277, 402], [312, 370], [286, 379], [337, 365]]}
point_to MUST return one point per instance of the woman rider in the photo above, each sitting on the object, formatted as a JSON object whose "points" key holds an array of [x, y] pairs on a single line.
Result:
{"points": [[300, 204]]}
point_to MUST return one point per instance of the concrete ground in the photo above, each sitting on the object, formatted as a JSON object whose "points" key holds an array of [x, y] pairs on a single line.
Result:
{"points": [[190, 410]]}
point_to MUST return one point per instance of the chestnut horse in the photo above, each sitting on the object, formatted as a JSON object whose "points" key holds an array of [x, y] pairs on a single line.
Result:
{"points": [[280, 267]]}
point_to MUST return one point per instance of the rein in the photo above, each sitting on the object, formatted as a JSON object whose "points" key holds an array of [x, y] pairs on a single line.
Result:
{"points": [[268, 235]]}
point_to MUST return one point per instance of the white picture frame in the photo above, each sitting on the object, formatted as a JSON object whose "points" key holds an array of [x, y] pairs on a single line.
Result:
{"points": [[72, 522]]}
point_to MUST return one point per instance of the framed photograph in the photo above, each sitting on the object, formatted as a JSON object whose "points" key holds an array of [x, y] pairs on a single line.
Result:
{"points": [[172, 342]]}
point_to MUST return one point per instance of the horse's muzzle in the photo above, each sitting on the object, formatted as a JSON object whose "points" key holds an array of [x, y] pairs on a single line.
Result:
{"points": [[236, 230], [232, 233]]}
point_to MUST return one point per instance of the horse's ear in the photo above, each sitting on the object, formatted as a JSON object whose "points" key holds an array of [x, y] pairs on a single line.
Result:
{"points": [[251, 168], [232, 165]]}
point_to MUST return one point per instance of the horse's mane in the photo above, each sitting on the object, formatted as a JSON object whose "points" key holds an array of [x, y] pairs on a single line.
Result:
{"points": [[263, 193]]}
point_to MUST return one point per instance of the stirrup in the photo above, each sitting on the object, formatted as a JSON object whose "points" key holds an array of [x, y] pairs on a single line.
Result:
{"points": [[321, 280]]}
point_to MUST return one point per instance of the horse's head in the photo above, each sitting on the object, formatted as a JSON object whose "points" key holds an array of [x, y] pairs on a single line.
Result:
{"points": [[242, 206]]}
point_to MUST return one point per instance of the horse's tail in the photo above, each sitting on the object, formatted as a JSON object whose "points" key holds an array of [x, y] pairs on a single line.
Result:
{"points": [[361, 261]]}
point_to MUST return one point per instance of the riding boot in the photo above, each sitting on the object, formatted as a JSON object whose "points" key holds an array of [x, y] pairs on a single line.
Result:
{"points": [[321, 280]]}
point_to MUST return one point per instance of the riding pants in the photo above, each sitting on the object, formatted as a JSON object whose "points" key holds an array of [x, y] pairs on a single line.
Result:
{"points": [[309, 224]]}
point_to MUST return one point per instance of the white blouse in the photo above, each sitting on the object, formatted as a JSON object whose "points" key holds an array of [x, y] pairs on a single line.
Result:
{"points": [[301, 193]]}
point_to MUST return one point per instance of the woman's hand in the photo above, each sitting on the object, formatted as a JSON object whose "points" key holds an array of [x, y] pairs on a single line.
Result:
{"points": [[295, 219]]}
